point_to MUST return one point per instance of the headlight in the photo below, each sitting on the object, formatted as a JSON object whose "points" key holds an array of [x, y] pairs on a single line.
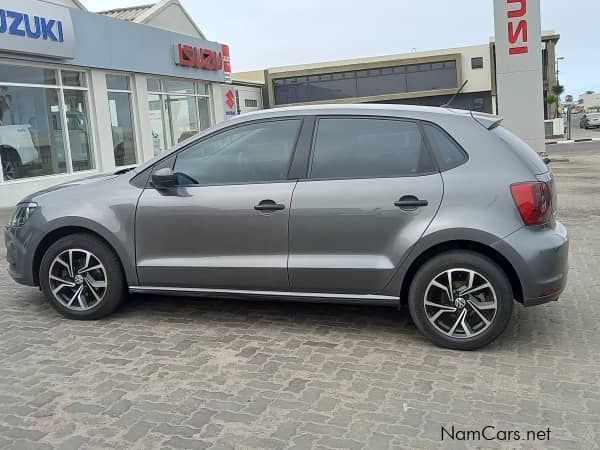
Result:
{"points": [[22, 214]]}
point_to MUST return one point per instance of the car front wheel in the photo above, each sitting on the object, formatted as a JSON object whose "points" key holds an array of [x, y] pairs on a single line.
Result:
{"points": [[82, 277], [461, 300]]}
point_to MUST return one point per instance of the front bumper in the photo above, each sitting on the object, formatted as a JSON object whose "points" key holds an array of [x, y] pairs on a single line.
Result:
{"points": [[20, 261], [540, 257]]}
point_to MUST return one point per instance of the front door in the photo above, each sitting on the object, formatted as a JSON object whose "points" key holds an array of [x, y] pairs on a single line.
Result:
{"points": [[371, 193], [225, 225]]}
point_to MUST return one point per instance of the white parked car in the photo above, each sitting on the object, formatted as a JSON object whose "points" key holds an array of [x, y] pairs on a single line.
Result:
{"points": [[16, 149]]}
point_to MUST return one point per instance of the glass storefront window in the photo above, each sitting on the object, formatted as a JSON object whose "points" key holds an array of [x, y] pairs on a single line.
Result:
{"points": [[366, 83], [178, 110], [183, 117], [153, 85], [202, 88], [204, 112], [157, 123], [117, 82], [178, 87], [119, 104], [36, 105], [31, 137], [79, 130], [27, 75], [121, 119], [72, 78]]}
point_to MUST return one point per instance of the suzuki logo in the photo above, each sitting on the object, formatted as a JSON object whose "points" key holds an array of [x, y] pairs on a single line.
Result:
{"points": [[517, 29], [34, 27], [230, 98]]}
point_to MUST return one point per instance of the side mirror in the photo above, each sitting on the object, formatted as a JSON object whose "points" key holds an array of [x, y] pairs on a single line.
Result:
{"points": [[164, 178]]}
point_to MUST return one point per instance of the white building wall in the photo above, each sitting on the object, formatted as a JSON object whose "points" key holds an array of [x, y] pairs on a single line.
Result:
{"points": [[251, 93], [591, 101], [480, 80]]}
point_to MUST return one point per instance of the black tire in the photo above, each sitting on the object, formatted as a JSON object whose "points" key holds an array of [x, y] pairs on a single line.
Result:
{"points": [[113, 294], [11, 163], [469, 260]]}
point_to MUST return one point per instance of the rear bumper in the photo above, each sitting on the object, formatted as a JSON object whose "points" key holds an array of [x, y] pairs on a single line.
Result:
{"points": [[540, 256]]}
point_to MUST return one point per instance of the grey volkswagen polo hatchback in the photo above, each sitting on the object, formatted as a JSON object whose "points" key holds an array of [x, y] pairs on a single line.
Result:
{"points": [[442, 210]]}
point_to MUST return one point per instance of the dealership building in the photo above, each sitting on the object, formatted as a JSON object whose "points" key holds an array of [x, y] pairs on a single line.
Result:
{"points": [[84, 92], [418, 78]]}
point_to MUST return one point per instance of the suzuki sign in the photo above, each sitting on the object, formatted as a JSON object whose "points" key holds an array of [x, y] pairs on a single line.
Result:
{"points": [[519, 82], [230, 106], [29, 26]]}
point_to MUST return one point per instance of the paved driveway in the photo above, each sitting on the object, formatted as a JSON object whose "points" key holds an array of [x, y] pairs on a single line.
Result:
{"points": [[183, 373]]}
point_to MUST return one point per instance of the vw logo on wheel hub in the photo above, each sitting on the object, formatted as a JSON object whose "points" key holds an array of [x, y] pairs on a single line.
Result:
{"points": [[460, 302]]}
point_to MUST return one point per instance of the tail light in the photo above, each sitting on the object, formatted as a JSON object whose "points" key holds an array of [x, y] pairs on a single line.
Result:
{"points": [[533, 200]]}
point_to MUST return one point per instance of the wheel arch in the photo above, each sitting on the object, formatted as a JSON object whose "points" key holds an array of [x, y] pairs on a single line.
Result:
{"points": [[10, 149], [461, 244], [62, 231]]}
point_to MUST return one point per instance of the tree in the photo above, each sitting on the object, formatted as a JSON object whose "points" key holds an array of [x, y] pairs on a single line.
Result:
{"points": [[557, 90]]}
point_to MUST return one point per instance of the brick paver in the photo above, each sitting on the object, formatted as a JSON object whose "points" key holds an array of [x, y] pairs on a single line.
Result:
{"points": [[184, 373]]}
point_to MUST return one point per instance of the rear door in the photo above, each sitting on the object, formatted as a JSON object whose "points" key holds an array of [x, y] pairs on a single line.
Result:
{"points": [[372, 190]]}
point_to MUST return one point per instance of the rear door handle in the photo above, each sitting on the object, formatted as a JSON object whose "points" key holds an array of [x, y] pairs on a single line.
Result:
{"points": [[410, 202], [269, 205]]}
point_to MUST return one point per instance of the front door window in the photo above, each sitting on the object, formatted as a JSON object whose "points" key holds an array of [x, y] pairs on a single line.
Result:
{"points": [[252, 153]]}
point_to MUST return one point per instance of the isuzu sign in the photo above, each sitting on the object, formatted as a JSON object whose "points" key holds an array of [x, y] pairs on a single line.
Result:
{"points": [[28, 26], [519, 83], [517, 27], [203, 58]]}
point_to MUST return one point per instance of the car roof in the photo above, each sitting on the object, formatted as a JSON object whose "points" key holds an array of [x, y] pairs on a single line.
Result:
{"points": [[354, 109]]}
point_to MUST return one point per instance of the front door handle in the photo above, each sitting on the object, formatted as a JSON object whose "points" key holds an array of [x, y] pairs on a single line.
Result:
{"points": [[410, 203], [269, 205]]}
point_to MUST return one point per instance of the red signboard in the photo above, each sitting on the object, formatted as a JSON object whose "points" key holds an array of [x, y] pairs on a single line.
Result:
{"points": [[230, 98], [203, 58], [517, 28]]}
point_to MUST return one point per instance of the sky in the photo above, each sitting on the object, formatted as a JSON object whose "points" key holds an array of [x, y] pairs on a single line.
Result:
{"points": [[271, 33]]}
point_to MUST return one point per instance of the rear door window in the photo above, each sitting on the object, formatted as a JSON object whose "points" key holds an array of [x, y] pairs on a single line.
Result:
{"points": [[364, 147]]}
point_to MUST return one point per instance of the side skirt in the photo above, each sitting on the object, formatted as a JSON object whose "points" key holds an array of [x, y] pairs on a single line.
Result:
{"points": [[316, 297]]}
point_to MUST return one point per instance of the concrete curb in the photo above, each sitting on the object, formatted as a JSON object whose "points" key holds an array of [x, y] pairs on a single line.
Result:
{"points": [[572, 141]]}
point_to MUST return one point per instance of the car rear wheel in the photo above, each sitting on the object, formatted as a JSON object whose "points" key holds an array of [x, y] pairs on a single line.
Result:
{"points": [[82, 277], [461, 300]]}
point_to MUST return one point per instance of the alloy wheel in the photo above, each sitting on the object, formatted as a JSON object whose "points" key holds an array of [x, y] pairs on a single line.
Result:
{"points": [[10, 170], [78, 279], [460, 303]]}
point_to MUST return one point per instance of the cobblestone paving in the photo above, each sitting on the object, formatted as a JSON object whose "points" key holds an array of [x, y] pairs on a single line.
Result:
{"points": [[183, 373]]}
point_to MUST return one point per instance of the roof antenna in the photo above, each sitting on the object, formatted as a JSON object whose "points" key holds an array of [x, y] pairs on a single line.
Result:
{"points": [[447, 104]]}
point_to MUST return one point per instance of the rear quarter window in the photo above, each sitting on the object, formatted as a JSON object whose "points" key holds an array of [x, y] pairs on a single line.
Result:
{"points": [[521, 149], [447, 152]]}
